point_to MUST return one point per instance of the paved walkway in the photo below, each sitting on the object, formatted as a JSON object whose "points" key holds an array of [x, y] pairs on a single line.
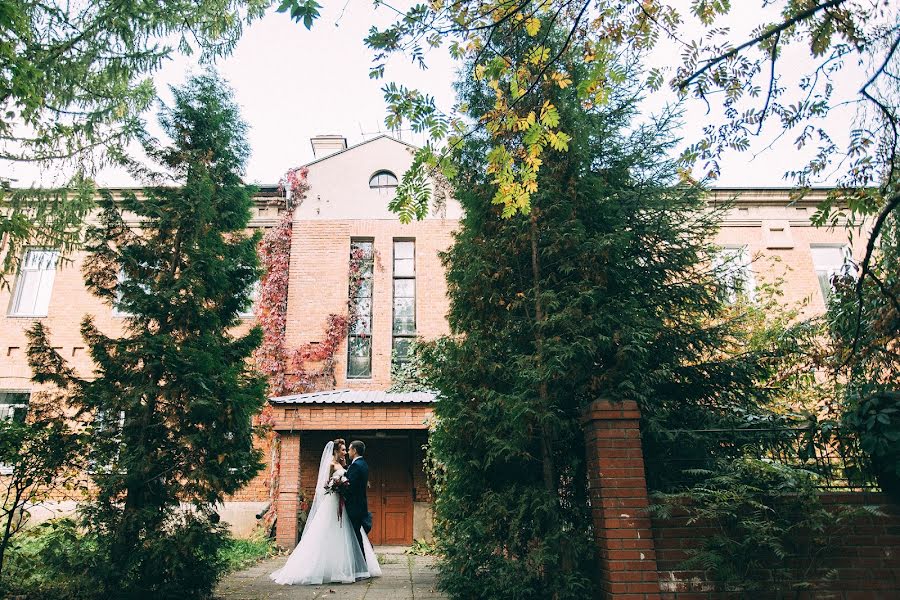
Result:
{"points": [[404, 578]]}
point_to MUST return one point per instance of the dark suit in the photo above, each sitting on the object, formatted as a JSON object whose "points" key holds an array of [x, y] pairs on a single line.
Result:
{"points": [[355, 499]]}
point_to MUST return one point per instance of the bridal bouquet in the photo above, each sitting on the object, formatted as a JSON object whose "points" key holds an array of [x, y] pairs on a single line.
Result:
{"points": [[338, 485]]}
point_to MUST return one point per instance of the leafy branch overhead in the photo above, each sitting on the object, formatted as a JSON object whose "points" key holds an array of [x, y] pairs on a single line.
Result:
{"points": [[693, 50], [73, 85], [306, 11], [73, 76]]}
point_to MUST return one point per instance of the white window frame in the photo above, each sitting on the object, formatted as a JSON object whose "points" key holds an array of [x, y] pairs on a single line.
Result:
{"points": [[395, 335], [830, 269], [4, 468], [253, 293], [733, 261], [362, 330], [45, 272], [390, 180]]}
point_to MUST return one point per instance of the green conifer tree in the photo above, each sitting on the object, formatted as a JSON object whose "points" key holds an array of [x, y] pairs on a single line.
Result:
{"points": [[174, 395], [606, 290]]}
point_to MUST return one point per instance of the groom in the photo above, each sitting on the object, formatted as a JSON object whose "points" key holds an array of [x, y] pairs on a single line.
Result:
{"points": [[355, 499]]}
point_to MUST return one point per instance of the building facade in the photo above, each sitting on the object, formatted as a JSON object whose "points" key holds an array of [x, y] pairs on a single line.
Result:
{"points": [[400, 294]]}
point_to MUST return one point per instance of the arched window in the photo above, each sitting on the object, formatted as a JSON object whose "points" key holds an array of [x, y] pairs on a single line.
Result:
{"points": [[383, 179]]}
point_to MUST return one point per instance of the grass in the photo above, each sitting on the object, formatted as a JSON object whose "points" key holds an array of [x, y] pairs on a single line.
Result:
{"points": [[386, 559], [239, 554], [422, 548]]}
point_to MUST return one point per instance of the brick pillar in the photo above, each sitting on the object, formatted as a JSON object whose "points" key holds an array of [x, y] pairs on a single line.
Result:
{"points": [[288, 491], [619, 501]]}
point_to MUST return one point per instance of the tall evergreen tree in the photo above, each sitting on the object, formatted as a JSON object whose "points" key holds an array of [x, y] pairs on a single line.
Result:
{"points": [[174, 395], [604, 289]]}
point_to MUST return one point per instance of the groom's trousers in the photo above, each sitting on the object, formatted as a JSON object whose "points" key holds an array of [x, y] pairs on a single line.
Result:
{"points": [[357, 529]]}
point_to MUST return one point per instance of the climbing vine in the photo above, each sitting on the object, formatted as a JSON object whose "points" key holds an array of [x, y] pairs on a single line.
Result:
{"points": [[271, 310], [294, 185], [311, 366]]}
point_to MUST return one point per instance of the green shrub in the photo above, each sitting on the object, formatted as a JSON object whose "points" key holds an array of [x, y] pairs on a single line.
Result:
{"points": [[180, 560], [770, 528], [52, 561], [876, 421], [42, 455], [56, 560]]}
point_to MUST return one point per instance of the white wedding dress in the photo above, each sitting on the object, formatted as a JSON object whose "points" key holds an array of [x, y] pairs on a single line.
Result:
{"points": [[328, 551]]}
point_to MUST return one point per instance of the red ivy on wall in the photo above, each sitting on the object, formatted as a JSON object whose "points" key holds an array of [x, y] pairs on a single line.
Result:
{"points": [[298, 370], [310, 367], [271, 310]]}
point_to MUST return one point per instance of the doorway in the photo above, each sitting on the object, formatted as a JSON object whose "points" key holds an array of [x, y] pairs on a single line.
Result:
{"points": [[390, 491]]}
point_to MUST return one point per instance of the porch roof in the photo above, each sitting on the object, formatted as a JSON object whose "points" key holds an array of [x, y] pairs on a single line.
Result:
{"points": [[356, 397]]}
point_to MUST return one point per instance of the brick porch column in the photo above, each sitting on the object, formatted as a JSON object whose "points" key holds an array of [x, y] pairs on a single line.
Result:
{"points": [[288, 491], [619, 501]]}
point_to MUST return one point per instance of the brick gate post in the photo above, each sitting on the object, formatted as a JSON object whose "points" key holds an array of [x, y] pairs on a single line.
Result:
{"points": [[288, 491], [619, 501]]}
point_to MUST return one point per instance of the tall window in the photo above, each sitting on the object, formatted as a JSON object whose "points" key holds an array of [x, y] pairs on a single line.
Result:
{"points": [[829, 261], [35, 283], [404, 326], [107, 428], [118, 307], [359, 342], [735, 273], [118, 310], [253, 293], [13, 407]]}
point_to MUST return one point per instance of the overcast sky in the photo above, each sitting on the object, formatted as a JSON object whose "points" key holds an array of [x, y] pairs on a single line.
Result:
{"points": [[293, 84]]}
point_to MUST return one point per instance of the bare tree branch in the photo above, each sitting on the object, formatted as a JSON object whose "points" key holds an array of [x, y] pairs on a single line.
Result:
{"points": [[892, 203], [765, 110], [775, 30]]}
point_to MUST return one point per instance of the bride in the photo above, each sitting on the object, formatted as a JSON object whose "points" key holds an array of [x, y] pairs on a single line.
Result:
{"points": [[328, 551]]}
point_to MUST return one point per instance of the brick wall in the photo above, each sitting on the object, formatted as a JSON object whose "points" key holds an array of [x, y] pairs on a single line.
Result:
{"points": [[319, 272], [70, 302], [639, 556], [619, 502], [288, 502], [258, 488], [779, 238], [350, 417], [862, 562]]}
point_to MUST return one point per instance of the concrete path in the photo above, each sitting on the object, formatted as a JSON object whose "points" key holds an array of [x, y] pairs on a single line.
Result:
{"points": [[405, 578]]}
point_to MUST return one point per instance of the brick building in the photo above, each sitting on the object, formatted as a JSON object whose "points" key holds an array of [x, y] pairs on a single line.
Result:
{"points": [[402, 296]]}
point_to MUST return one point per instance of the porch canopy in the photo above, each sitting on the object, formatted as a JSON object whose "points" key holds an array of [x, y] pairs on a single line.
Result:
{"points": [[352, 409]]}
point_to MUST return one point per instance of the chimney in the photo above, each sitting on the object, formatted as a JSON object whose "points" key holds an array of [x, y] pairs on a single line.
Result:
{"points": [[324, 145]]}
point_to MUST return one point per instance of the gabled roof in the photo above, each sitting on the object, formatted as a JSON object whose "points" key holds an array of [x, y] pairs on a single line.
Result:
{"points": [[354, 146], [356, 397]]}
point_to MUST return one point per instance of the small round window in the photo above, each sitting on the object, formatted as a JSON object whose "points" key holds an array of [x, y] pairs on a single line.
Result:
{"points": [[383, 179]]}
